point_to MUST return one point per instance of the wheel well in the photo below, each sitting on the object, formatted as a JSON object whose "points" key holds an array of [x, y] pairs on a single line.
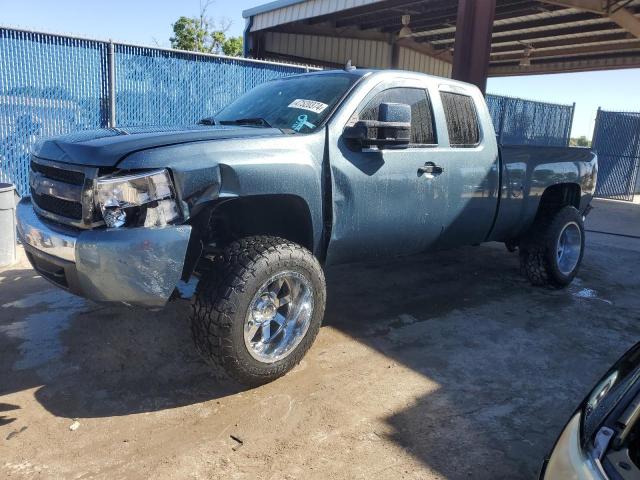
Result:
{"points": [[558, 196], [285, 216]]}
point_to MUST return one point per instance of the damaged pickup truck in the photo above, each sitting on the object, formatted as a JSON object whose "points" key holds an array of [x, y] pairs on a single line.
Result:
{"points": [[297, 174]]}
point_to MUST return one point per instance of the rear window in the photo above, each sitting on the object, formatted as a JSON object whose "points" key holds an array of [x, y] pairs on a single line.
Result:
{"points": [[462, 119]]}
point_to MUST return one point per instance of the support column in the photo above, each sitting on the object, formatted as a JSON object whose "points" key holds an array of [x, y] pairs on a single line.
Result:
{"points": [[472, 50]]}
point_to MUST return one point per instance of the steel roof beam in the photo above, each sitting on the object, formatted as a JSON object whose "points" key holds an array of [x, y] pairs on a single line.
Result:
{"points": [[569, 51], [565, 40], [595, 25], [544, 24], [413, 8], [600, 25], [364, 10], [580, 64], [622, 16], [557, 19], [436, 19], [387, 15], [604, 27], [626, 20]]}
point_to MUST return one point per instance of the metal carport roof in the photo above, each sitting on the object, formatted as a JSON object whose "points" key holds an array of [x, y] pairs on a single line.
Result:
{"points": [[529, 36]]}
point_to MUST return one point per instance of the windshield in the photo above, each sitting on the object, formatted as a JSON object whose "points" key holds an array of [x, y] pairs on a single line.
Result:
{"points": [[296, 104]]}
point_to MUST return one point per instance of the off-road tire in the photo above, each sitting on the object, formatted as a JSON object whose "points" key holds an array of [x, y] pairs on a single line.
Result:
{"points": [[222, 300], [538, 256]]}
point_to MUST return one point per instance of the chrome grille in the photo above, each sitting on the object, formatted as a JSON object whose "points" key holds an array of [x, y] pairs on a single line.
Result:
{"points": [[64, 192]]}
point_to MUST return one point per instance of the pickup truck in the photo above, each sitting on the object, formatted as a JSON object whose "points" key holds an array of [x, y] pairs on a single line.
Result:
{"points": [[295, 175]]}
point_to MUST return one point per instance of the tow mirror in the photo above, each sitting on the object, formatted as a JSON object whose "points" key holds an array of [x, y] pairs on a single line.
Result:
{"points": [[392, 129]]}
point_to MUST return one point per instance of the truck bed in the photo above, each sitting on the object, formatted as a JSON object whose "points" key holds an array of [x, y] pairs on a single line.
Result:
{"points": [[527, 171]]}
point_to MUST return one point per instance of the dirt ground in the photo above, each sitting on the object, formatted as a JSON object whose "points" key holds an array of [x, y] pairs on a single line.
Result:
{"points": [[442, 366]]}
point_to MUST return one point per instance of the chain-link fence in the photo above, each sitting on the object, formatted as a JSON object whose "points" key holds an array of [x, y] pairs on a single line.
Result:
{"points": [[167, 87], [526, 122], [48, 85], [53, 84], [616, 139]]}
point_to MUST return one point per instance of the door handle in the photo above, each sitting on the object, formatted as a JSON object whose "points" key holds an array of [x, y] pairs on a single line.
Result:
{"points": [[430, 168]]}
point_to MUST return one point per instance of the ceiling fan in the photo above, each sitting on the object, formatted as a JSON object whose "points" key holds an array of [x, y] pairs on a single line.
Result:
{"points": [[405, 31], [525, 61]]}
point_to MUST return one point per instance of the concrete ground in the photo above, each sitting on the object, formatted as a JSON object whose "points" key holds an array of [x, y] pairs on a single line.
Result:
{"points": [[441, 366]]}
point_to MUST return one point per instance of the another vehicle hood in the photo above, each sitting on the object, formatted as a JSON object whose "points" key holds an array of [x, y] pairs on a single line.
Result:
{"points": [[106, 147]]}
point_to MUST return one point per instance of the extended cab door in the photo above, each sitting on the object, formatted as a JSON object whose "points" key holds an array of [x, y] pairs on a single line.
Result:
{"points": [[382, 204], [470, 158]]}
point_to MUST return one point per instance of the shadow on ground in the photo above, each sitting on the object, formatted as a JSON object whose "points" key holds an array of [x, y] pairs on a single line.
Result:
{"points": [[511, 362], [90, 360]]}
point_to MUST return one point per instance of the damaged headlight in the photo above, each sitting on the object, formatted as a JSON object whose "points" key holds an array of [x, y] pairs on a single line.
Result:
{"points": [[145, 199]]}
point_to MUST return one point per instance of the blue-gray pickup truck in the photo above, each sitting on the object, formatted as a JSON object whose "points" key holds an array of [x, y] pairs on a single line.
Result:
{"points": [[295, 175]]}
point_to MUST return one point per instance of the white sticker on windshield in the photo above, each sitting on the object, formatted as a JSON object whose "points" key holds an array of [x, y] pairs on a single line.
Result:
{"points": [[311, 105]]}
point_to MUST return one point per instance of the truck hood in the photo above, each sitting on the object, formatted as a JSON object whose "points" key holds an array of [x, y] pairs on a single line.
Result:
{"points": [[106, 147]]}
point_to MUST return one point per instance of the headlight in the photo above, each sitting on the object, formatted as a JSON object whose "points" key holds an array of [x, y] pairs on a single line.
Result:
{"points": [[598, 393], [145, 199]]}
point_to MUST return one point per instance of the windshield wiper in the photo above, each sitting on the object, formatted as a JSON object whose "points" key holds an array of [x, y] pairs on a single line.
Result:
{"points": [[258, 122]]}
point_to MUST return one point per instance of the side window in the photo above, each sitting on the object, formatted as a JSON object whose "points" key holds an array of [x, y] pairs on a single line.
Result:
{"points": [[462, 119], [422, 129]]}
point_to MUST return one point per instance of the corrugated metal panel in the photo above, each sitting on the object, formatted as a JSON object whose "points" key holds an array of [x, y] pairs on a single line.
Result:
{"points": [[420, 62], [556, 14], [300, 11], [363, 53], [568, 36], [625, 45], [583, 65]]}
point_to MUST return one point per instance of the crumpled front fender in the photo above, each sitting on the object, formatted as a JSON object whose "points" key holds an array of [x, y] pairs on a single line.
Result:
{"points": [[137, 266], [140, 266]]}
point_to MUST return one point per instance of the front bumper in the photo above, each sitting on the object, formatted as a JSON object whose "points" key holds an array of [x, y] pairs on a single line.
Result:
{"points": [[137, 266]]}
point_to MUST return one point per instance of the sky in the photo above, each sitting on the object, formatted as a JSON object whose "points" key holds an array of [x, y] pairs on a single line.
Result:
{"points": [[148, 22]]}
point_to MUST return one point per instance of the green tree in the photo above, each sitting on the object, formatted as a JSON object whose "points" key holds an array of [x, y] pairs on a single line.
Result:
{"points": [[580, 142], [233, 46], [189, 35], [201, 34]]}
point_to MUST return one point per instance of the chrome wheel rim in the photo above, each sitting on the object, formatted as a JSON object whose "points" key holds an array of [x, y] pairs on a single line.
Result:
{"points": [[278, 317], [568, 248]]}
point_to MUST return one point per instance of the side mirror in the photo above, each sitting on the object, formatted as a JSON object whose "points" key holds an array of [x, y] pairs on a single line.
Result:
{"points": [[392, 129]]}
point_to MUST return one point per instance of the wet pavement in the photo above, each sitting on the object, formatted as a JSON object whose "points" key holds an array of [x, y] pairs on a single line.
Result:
{"points": [[441, 366]]}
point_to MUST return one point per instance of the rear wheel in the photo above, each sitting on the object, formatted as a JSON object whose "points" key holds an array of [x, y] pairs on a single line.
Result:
{"points": [[553, 253], [258, 311]]}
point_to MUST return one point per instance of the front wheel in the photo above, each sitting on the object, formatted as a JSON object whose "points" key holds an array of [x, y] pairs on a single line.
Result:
{"points": [[553, 253], [257, 312]]}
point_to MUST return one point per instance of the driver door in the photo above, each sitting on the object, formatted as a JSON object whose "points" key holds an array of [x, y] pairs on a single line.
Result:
{"points": [[382, 204]]}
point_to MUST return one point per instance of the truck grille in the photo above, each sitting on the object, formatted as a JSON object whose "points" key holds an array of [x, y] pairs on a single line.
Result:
{"points": [[58, 206], [64, 193], [66, 176]]}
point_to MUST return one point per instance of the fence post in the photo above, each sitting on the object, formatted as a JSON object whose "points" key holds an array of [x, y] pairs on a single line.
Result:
{"points": [[595, 128], [502, 115], [573, 112], [111, 84]]}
